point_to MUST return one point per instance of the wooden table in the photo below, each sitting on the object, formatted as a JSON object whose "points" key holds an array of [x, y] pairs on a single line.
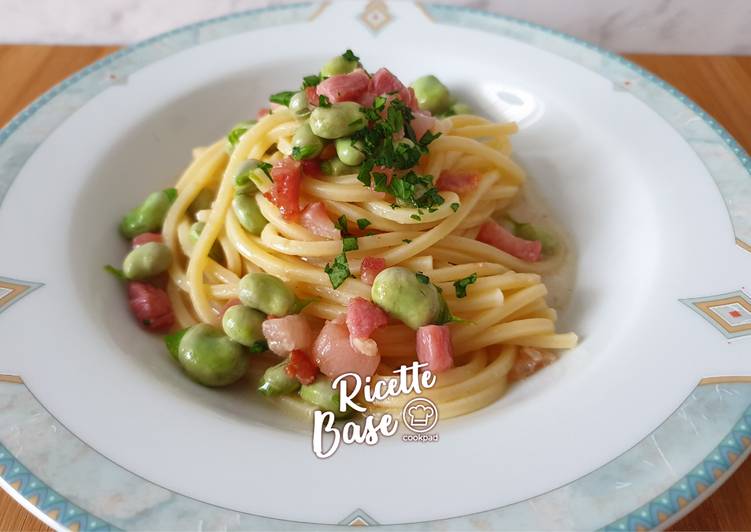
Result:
{"points": [[721, 85]]}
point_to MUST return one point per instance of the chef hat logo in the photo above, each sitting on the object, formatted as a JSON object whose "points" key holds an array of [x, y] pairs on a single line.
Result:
{"points": [[420, 414]]}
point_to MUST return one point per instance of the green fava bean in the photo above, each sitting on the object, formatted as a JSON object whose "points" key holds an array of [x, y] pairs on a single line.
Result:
{"points": [[249, 214], [404, 296], [244, 180], [149, 216], [203, 201], [172, 341], [305, 145], [266, 293], [348, 152], [275, 381], [338, 65], [321, 394], [243, 325], [460, 108], [335, 167], [298, 104], [147, 260], [195, 231], [238, 130], [339, 120], [528, 231], [211, 358], [431, 94]]}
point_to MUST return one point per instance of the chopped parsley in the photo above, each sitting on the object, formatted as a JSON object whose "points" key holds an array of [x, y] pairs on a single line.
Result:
{"points": [[119, 274], [259, 347], [362, 223], [310, 81], [454, 207], [172, 341], [350, 56], [461, 285], [407, 240], [342, 224], [323, 101], [424, 279], [266, 167], [304, 152], [349, 243], [233, 137], [282, 98], [300, 304], [393, 161], [338, 272], [416, 217]]}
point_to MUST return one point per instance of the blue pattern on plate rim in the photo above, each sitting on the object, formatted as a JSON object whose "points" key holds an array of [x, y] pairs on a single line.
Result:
{"points": [[45, 498], [663, 506]]}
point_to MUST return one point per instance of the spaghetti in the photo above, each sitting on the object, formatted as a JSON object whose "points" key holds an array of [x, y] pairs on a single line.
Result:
{"points": [[329, 230]]}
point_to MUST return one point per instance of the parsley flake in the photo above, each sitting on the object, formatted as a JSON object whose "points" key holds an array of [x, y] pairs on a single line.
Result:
{"points": [[266, 168], [259, 347], [424, 279], [350, 56], [454, 207], [461, 285], [407, 240], [349, 243], [338, 272], [304, 152], [362, 223], [310, 81], [282, 98], [342, 224], [233, 137], [118, 274], [323, 101], [416, 217]]}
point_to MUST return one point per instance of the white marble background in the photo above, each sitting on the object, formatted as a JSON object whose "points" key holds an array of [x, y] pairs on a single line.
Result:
{"points": [[661, 26]]}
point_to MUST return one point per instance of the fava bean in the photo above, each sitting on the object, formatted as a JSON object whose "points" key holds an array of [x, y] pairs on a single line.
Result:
{"points": [[147, 260], [405, 296], [243, 325], [335, 167], [275, 381], [305, 145], [195, 231], [338, 65], [149, 216], [248, 213], [431, 94], [460, 108], [528, 231], [339, 120], [244, 180], [211, 358], [266, 293], [348, 152], [203, 201], [321, 394], [298, 104]]}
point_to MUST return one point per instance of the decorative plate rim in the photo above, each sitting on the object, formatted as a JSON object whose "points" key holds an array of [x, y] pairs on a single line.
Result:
{"points": [[628, 521]]}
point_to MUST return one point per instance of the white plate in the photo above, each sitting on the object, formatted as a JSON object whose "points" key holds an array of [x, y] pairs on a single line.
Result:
{"points": [[654, 193]]}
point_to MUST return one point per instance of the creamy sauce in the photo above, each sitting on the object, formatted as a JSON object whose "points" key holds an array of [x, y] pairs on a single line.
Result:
{"points": [[529, 206]]}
